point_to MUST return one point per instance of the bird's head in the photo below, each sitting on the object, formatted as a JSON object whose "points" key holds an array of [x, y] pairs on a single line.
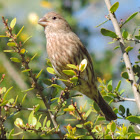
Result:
{"points": [[53, 22]]}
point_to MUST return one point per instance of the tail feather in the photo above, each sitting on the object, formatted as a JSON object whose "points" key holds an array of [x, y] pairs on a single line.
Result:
{"points": [[106, 109]]}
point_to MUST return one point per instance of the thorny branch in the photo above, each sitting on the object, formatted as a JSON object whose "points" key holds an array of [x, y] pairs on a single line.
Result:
{"points": [[25, 63], [125, 54]]}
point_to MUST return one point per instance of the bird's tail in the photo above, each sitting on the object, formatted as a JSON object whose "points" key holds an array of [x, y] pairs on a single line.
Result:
{"points": [[106, 109]]}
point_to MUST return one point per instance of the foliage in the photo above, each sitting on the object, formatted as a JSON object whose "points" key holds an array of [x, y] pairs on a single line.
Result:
{"points": [[44, 121]]}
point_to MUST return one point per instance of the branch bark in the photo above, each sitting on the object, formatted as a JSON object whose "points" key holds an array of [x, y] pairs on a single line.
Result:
{"points": [[125, 55]]}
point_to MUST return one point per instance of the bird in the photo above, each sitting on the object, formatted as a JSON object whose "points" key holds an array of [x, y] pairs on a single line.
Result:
{"points": [[64, 47]]}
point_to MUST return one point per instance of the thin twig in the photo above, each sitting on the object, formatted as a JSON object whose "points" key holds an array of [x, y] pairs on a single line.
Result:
{"points": [[132, 39], [125, 55], [126, 99], [23, 108], [83, 121], [32, 76]]}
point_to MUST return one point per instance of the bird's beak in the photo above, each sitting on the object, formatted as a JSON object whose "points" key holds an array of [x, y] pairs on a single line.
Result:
{"points": [[42, 21]]}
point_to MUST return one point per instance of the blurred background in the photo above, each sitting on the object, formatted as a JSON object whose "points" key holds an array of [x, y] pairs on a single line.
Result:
{"points": [[83, 16]]}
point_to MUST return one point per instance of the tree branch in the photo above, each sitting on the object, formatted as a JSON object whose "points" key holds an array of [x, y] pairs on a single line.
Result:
{"points": [[34, 83], [125, 55]]}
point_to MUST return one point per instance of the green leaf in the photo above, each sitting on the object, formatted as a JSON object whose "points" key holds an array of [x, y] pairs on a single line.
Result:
{"points": [[50, 70], [10, 134], [8, 50], [109, 33], [121, 92], [96, 107], [134, 119], [23, 98], [125, 75], [56, 86], [3, 90], [135, 136], [115, 110], [79, 125], [26, 70], [125, 34], [27, 39], [88, 112], [87, 123], [49, 62], [16, 134], [72, 66], [15, 100], [100, 118], [18, 122], [122, 109], [14, 59], [110, 82], [130, 17], [28, 90], [44, 122], [3, 103], [48, 123], [36, 108], [136, 69], [109, 87], [70, 108], [38, 125], [113, 127], [130, 129], [112, 42], [108, 98], [34, 121], [5, 95], [31, 119], [124, 128], [118, 86], [108, 137], [13, 23], [114, 7], [11, 101], [128, 112], [33, 56], [38, 75], [3, 36], [137, 37], [11, 44], [128, 49], [69, 72], [74, 79], [20, 31], [116, 47], [70, 120], [83, 65]]}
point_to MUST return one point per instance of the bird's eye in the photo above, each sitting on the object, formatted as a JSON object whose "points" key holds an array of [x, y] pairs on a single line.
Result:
{"points": [[54, 18]]}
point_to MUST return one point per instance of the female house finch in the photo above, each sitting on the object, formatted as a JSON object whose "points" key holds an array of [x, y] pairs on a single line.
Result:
{"points": [[64, 47]]}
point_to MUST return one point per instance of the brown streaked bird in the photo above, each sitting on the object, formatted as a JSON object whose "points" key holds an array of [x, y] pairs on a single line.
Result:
{"points": [[64, 47]]}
